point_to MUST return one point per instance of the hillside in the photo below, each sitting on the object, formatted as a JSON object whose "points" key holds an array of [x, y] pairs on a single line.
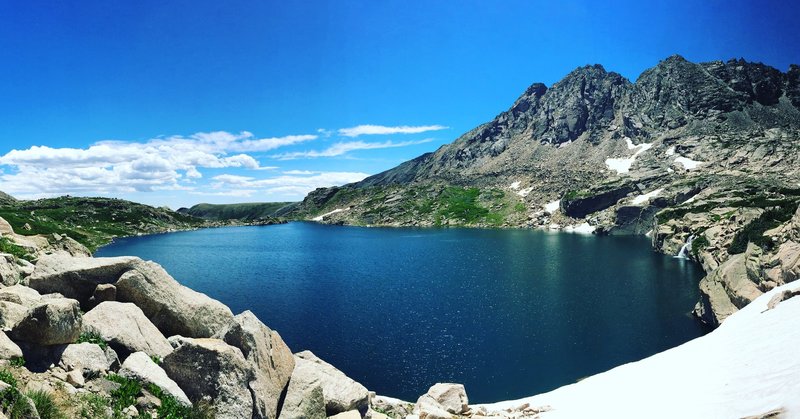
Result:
{"points": [[93, 222], [702, 157], [245, 211]]}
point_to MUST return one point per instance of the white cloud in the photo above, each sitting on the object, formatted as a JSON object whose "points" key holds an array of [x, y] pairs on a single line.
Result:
{"points": [[383, 130], [341, 148], [110, 167], [297, 185]]}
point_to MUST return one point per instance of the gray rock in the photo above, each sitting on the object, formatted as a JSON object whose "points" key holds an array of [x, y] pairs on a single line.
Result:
{"points": [[270, 358], [443, 397], [341, 393], [103, 292], [51, 322], [89, 358], [9, 270], [303, 400], [210, 369], [77, 277], [352, 414], [75, 378], [173, 308], [9, 349], [140, 367], [126, 329]]}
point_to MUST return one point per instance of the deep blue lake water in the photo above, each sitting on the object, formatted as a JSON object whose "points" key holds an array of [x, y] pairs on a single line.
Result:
{"points": [[509, 313]]}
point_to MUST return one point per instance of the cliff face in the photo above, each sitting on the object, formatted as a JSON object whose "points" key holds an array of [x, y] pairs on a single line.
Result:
{"points": [[595, 150]]}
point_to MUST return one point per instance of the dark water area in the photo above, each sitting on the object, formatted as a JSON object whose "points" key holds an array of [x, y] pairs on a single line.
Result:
{"points": [[509, 313]]}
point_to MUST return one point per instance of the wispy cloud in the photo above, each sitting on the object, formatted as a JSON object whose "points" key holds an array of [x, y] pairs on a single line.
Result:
{"points": [[342, 148], [298, 184], [106, 167], [384, 130]]}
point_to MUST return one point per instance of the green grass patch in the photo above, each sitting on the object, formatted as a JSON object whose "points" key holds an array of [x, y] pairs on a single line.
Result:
{"points": [[126, 394], [171, 409], [462, 205], [92, 337], [7, 246], [45, 405]]}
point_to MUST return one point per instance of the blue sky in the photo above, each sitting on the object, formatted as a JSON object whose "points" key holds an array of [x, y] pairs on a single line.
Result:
{"points": [[174, 103]]}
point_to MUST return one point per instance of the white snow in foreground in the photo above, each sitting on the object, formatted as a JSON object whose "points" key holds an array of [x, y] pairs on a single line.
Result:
{"points": [[748, 366], [623, 165], [321, 217], [552, 207], [584, 228], [640, 199], [688, 163]]}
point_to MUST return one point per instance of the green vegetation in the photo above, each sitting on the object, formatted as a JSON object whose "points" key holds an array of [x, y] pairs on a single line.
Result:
{"points": [[17, 362], [7, 246], [12, 402], [156, 359], [461, 204], [92, 337], [754, 232], [251, 211], [92, 221], [125, 395], [45, 405], [699, 243], [571, 195], [170, 408], [94, 406]]}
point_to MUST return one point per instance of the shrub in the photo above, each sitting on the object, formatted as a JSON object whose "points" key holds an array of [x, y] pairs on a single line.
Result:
{"points": [[7, 246], [125, 395], [18, 362], [45, 405]]}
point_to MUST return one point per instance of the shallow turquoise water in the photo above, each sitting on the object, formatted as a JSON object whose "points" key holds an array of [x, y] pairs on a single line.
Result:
{"points": [[509, 313]]}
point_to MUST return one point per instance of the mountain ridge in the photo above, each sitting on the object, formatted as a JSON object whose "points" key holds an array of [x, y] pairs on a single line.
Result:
{"points": [[697, 155]]}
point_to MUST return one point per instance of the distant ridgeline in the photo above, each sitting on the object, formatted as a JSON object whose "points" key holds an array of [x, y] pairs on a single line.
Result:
{"points": [[246, 212], [703, 157], [94, 222]]}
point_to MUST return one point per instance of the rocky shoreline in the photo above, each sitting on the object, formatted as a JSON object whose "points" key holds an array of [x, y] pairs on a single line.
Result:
{"points": [[119, 337], [80, 329]]}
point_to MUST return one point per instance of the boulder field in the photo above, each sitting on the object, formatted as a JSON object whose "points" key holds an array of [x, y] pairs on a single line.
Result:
{"points": [[119, 337]]}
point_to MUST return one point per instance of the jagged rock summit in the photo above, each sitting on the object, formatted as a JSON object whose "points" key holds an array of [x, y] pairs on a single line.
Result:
{"points": [[704, 158]]}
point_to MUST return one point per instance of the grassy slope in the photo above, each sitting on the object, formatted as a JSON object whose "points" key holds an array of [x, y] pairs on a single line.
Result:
{"points": [[93, 221], [246, 211]]}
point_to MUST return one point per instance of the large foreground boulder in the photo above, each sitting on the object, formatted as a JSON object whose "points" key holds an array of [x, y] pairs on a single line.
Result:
{"points": [[212, 370], [140, 367], [340, 392], [126, 329], [304, 400], [442, 401], [173, 308], [268, 355], [77, 277], [51, 322]]}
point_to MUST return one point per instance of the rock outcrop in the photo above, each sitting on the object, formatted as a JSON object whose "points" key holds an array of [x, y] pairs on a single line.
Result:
{"points": [[173, 308], [126, 329], [212, 370], [340, 392], [269, 357], [140, 367]]}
